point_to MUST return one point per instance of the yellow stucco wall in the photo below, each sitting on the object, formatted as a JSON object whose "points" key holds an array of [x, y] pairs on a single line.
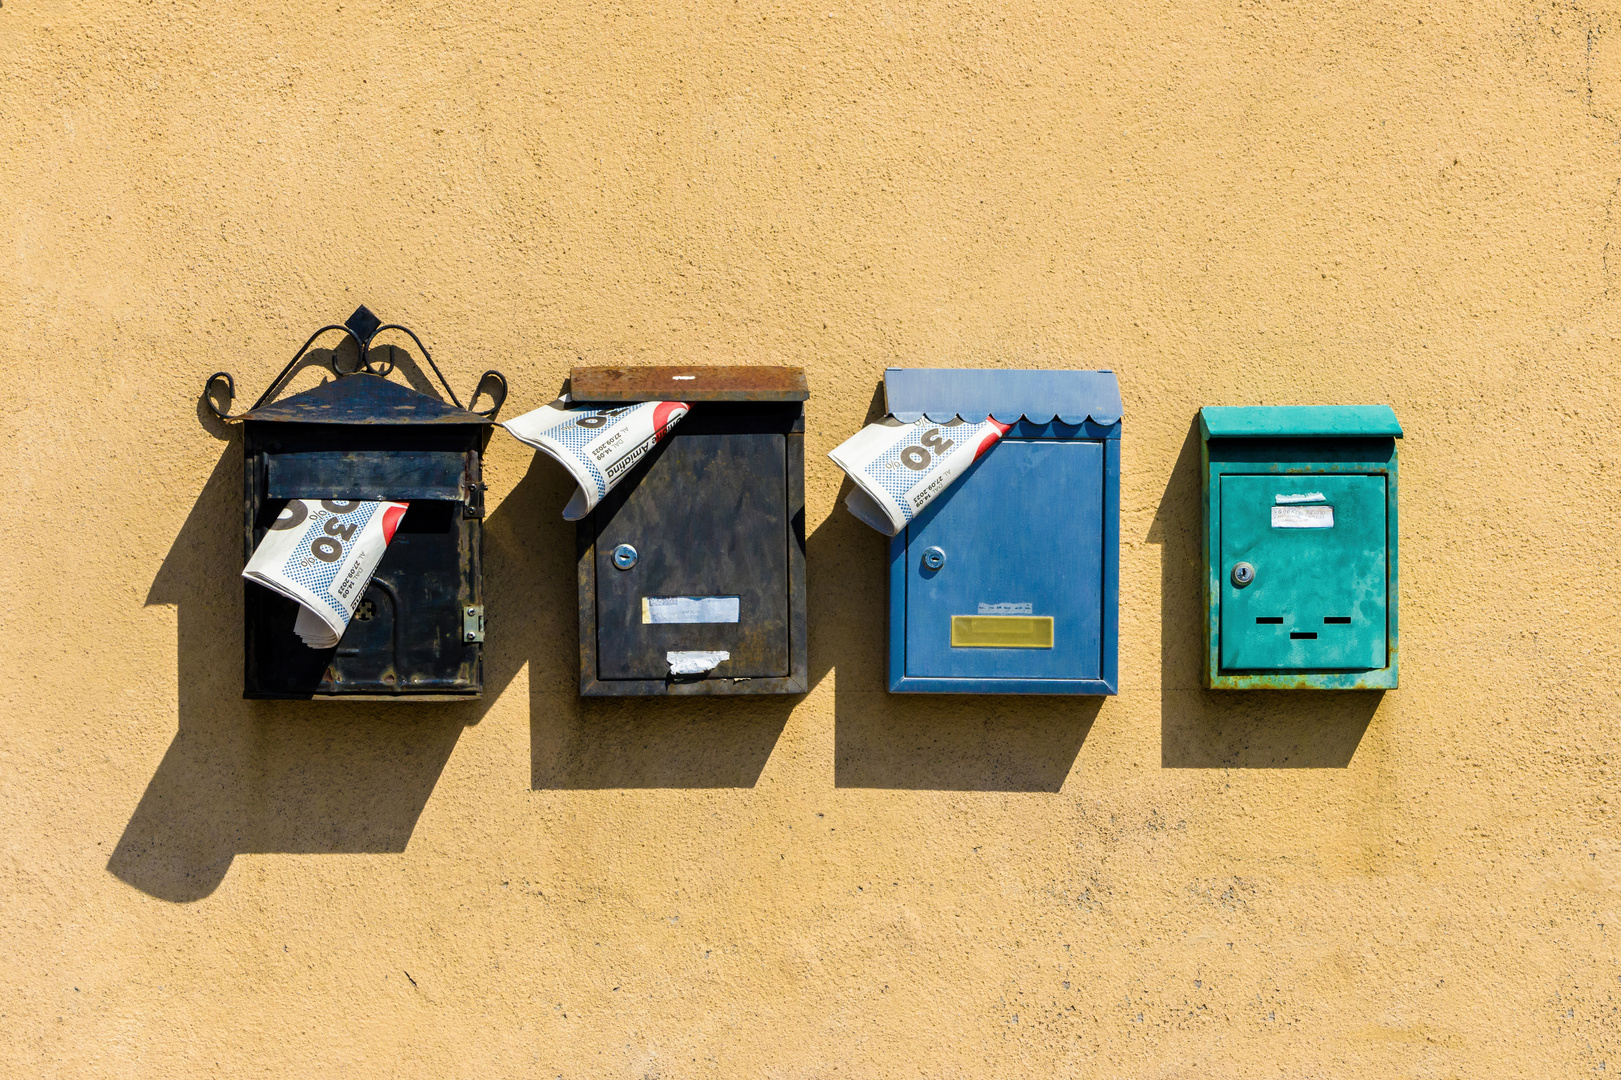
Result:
{"points": [[1227, 203]]}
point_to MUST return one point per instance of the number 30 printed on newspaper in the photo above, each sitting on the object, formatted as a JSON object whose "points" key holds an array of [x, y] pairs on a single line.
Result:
{"points": [[899, 468]]}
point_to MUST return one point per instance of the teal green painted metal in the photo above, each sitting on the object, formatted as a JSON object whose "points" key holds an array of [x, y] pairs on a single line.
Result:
{"points": [[1294, 464], [1299, 421], [1306, 579]]}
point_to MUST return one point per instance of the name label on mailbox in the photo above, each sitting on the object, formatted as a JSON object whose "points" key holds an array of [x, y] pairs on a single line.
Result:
{"points": [[1001, 632], [1303, 517], [690, 609]]}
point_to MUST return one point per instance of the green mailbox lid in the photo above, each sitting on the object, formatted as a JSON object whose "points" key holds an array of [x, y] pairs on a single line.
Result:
{"points": [[1299, 421]]}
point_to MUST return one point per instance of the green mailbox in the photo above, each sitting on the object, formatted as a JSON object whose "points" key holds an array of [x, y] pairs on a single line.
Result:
{"points": [[1300, 547]]}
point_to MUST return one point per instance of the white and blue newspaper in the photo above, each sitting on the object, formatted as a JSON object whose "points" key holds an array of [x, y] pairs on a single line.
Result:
{"points": [[900, 468], [597, 444], [321, 554]]}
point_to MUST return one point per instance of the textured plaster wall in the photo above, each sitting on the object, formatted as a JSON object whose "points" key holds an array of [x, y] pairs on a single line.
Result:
{"points": [[1227, 203]]}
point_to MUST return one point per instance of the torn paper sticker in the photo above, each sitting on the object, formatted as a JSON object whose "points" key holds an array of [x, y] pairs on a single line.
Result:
{"points": [[695, 663]]}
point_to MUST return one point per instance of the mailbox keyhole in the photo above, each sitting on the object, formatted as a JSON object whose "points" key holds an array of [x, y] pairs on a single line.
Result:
{"points": [[625, 556], [934, 558], [1243, 574], [365, 610]]}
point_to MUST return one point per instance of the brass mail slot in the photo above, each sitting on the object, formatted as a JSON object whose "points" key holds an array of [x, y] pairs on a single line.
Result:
{"points": [[1001, 631]]}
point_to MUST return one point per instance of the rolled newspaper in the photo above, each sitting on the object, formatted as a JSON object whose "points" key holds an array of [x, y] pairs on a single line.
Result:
{"points": [[900, 468], [321, 555], [597, 444]]}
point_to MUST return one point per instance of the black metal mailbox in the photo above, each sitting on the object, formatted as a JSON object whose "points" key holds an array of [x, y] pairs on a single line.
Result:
{"points": [[708, 529], [417, 633]]}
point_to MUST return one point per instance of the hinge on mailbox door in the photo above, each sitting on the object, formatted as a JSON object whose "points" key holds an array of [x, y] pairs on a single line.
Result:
{"points": [[475, 501], [473, 623]]}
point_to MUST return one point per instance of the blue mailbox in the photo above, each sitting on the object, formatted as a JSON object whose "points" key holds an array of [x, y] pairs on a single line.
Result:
{"points": [[1008, 582]]}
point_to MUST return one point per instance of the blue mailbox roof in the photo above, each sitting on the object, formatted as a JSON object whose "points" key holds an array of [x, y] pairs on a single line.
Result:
{"points": [[972, 394], [1300, 421]]}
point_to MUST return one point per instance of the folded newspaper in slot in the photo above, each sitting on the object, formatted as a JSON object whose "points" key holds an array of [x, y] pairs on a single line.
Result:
{"points": [[321, 554], [900, 468], [597, 444]]}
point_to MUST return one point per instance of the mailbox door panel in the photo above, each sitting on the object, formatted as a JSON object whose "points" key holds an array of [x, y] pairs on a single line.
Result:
{"points": [[406, 634], [1022, 533], [1317, 601], [708, 519]]}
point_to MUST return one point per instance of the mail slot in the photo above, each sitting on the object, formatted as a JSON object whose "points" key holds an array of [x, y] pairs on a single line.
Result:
{"points": [[1008, 581], [1300, 535], [417, 631], [692, 568]]}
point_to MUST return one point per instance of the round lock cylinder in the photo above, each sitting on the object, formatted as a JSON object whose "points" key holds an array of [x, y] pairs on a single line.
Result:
{"points": [[625, 556], [1243, 574], [934, 558]]}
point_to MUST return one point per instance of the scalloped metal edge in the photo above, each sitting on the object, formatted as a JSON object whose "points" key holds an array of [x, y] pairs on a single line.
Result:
{"points": [[1006, 418]]}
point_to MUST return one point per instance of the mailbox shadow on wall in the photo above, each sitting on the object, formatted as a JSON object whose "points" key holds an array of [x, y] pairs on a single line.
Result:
{"points": [[1293, 722], [246, 776]]}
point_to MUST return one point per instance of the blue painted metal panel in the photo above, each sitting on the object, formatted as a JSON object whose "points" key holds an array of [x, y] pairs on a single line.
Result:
{"points": [[1040, 396], [1297, 421], [1044, 521], [1013, 545]]}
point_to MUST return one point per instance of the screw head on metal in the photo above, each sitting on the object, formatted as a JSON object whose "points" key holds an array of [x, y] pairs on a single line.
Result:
{"points": [[934, 558], [1243, 574], [625, 556]]}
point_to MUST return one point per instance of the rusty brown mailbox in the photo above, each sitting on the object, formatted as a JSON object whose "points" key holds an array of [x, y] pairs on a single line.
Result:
{"points": [[700, 551]]}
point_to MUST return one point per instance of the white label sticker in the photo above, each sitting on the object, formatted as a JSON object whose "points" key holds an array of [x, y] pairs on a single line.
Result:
{"points": [[690, 609], [1310, 496], [1004, 609], [1302, 517]]}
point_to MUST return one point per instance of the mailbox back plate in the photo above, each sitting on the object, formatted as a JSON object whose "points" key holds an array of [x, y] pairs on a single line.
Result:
{"points": [[411, 645], [1255, 455], [1025, 501], [729, 431]]}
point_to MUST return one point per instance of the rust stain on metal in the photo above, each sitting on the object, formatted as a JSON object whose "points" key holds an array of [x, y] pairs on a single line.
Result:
{"points": [[688, 383]]}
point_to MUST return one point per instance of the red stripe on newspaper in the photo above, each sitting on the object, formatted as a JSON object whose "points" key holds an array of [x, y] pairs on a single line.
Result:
{"points": [[991, 436], [391, 520], [662, 418]]}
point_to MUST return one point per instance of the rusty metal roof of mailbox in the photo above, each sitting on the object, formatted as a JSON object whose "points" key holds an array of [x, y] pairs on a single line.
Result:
{"points": [[364, 399], [972, 394], [1298, 421], [688, 383]]}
